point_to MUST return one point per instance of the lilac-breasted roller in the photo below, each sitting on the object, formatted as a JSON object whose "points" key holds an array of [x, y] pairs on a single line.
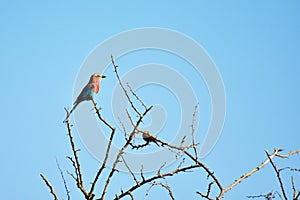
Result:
{"points": [[89, 91]]}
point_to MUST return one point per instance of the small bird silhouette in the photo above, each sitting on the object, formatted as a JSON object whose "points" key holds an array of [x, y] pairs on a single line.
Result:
{"points": [[89, 91], [149, 138]]}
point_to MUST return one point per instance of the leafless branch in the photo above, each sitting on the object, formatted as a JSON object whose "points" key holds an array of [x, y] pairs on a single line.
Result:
{"points": [[268, 196], [287, 155], [157, 176], [64, 180], [237, 181], [136, 96], [298, 195], [295, 194], [130, 118], [294, 189], [142, 173], [131, 136], [193, 130], [159, 169], [130, 171], [123, 88], [113, 130], [123, 127], [101, 118], [207, 192], [204, 167], [163, 185], [185, 151], [49, 186], [275, 153], [278, 175], [76, 163], [121, 151], [72, 175], [291, 169], [181, 163]]}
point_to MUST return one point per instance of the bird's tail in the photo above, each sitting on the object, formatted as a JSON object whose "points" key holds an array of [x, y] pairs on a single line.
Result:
{"points": [[74, 106], [156, 142]]}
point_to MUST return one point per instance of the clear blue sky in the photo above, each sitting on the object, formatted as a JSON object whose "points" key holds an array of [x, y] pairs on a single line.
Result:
{"points": [[255, 45]]}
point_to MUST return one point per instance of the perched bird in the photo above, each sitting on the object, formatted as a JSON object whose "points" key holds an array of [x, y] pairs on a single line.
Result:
{"points": [[149, 138], [89, 91]]}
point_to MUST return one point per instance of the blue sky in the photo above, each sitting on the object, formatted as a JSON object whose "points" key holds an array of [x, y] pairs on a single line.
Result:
{"points": [[255, 45]]}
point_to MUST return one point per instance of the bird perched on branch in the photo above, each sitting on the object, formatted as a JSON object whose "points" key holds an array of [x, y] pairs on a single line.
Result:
{"points": [[89, 91], [149, 138]]}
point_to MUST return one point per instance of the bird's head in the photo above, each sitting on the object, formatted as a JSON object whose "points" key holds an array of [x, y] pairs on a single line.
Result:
{"points": [[96, 77]]}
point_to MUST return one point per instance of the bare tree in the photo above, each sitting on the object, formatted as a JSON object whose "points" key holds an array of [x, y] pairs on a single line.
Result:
{"points": [[186, 152]]}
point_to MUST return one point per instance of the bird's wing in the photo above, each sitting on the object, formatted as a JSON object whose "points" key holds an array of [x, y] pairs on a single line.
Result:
{"points": [[85, 93]]}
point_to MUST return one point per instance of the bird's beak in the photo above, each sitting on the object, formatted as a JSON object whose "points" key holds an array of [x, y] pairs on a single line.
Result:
{"points": [[103, 76]]}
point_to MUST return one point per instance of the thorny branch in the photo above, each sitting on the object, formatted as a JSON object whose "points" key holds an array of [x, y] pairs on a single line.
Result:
{"points": [[183, 149], [123, 88], [268, 196], [121, 151], [274, 154], [113, 130], [157, 176], [131, 136], [136, 96], [186, 151], [76, 163], [246, 175], [193, 131], [163, 185]]}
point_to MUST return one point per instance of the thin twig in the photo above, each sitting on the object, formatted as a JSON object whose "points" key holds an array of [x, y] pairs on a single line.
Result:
{"points": [[268, 196], [64, 180], [122, 86], [136, 96], [74, 150], [237, 181], [207, 192], [204, 195], [130, 118], [278, 175], [157, 176], [72, 175], [49, 186], [76, 163], [294, 188], [113, 130], [193, 130], [130, 171], [163, 185], [291, 169], [287, 155], [142, 173], [131, 136], [298, 195], [121, 151], [183, 150]]}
